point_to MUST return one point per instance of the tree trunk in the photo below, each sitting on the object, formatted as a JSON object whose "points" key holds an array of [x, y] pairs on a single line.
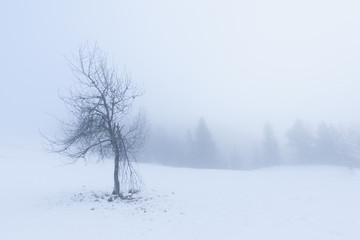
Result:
{"points": [[116, 176]]}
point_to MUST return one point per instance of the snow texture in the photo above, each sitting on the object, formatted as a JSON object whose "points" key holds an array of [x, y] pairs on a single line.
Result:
{"points": [[40, 200]]}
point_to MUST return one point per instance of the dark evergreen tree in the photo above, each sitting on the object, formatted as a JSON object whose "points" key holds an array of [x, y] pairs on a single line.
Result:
{"points": [[270, 147], [301, 142], [204, 149]]}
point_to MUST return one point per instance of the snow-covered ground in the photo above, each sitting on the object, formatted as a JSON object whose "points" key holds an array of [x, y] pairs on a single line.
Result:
{"points": [[41, 200]]}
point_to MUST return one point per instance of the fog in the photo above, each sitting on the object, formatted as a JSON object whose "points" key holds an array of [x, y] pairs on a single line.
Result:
{"points": [[237, 65]]}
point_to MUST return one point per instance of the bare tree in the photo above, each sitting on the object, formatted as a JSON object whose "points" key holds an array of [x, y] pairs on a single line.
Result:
{"points": [[101, 121]]}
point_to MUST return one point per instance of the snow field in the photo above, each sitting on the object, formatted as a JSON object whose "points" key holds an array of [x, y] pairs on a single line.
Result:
{"points": [[41, 200]]}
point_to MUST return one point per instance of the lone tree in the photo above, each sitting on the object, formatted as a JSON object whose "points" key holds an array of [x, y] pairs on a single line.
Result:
{"points": [[101, 121]]}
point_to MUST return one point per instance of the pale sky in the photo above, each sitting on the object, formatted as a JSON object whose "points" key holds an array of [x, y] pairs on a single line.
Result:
{"points": [[238, 64]]}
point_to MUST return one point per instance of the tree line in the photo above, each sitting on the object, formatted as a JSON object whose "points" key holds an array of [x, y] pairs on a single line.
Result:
{"points": [[326, 144]]}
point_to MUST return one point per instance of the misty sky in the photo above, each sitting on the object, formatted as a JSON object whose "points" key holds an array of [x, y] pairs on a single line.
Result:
{"points": [[238, 64]]}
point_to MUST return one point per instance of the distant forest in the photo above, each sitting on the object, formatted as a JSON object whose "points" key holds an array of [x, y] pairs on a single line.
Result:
{"points": [[326, 144]]}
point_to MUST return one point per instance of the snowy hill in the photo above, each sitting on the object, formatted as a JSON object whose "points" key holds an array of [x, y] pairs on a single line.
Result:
{"points": [[40, 200]]}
